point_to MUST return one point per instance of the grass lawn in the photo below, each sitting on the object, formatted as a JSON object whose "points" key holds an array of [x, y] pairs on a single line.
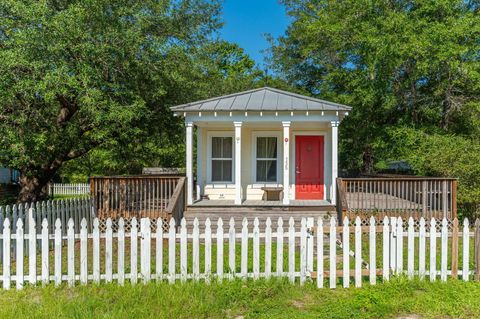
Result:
{"points": [[259, 299]]}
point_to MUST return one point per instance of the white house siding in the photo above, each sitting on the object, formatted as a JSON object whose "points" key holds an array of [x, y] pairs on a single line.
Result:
{"points": [[250, 189]]}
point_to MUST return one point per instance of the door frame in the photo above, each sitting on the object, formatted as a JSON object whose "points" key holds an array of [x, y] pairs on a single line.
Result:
{"points": [[293, 156]]}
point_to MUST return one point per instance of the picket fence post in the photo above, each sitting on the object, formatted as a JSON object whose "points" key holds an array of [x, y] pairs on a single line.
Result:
{"points": [[372, 247], [332, 251], [466, 249], [220, 249], [320, 253], [291, 250], [346, 253]]}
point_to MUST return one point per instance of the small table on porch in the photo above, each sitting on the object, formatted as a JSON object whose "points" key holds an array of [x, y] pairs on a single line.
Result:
{"points": [[272, 193]]}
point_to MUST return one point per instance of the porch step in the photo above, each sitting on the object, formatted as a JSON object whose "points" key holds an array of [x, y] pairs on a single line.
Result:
{"points": [[238, 217]]}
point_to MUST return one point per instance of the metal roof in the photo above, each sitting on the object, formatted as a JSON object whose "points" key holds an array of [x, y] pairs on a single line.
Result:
{"points": [[262, 99]]}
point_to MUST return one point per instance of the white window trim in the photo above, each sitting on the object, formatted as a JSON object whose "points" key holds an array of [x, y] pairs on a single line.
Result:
{"points": [[278, 135], [211, 134]]}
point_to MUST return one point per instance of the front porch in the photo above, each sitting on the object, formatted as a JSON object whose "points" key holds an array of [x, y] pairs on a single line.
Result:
{"points": [[262, 140]]}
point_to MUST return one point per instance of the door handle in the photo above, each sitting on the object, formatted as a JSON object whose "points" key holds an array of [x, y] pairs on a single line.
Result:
{"points": [[298, 172]]}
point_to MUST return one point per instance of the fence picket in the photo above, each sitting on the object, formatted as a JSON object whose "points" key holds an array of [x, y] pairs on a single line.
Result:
{"points": [[279, 268], [231, 248], [410, 248], [244, 249], [159, 250], [171, 252], [466, 249], [220, 249], [183, 250], [208, 250], [372, 247], [256, 249], [19, 260], [399, 262], [291, 250], [71, 253], [303, 250], [58, 253], [96, 250], [32, 247], [444, 250], [332, 251], [393, 244], [108, 251], [346, 253], [268, 248], [196, 250], [6, 254], [422, 238], [84, 252], [386, 252], [358, 252], [320, 256], [45, 247], [145, 250], [433, 248], [134, 251]]}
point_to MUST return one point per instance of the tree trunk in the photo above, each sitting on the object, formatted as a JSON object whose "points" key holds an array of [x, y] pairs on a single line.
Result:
{"points": [[33, 188], [368, 160]]}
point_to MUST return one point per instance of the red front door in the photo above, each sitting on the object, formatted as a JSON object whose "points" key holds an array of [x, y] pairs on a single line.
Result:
{"points": [[309, 167]]}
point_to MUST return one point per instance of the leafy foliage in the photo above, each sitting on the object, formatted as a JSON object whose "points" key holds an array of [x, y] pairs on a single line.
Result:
{"points": [[410, 69], [100, 74]]}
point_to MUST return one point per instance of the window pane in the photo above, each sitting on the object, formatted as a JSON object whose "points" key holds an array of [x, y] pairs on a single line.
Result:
{"points": [[221, 170], [227, 171], [266, 170], [221, 147], [216, 147], [227, 147], [266, 147]]}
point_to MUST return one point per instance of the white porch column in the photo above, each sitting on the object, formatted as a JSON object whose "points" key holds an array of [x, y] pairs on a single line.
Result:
{"points": [[286, 162], [334, 126], [238, 167], [189, 146], [199, 162]]}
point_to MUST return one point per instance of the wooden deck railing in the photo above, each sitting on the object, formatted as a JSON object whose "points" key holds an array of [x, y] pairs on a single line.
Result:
{"points": [[150, 196], [407, 196]]}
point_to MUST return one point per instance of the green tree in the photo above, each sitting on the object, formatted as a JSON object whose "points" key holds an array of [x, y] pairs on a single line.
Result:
{"points": [[77, 75], [398, 63], [225, 68]]}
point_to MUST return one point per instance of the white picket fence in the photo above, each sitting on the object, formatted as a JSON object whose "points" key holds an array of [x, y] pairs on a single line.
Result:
{"points": [[69, 189], [276, 250]]}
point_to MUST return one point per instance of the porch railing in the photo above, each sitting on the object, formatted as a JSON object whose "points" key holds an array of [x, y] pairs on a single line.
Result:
{"points": [[150, 196], [408, 196]]}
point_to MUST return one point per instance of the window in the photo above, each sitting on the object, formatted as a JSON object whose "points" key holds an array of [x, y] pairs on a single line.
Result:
{"points": [[222, 159], [266, 160]]}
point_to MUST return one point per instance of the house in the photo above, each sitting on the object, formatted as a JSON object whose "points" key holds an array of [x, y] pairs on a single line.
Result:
{"points": [[253, 145], [8, 176]]}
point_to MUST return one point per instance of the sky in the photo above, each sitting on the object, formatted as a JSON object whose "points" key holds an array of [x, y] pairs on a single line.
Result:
{"points": [[246, 22]]}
